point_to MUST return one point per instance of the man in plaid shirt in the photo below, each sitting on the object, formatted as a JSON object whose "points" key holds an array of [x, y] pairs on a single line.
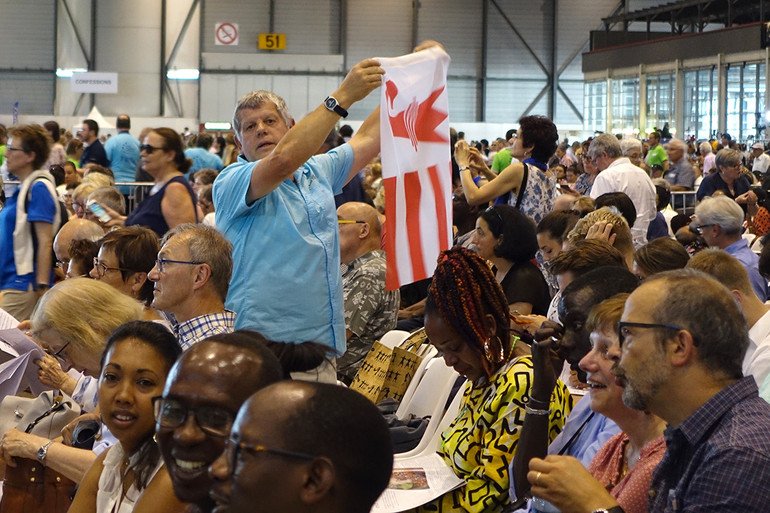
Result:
{"points": [[191, 275], [683, 340]]}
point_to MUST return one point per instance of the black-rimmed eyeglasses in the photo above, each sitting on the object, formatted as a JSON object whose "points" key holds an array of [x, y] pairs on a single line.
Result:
{"points": [[171, 413], [162, 262], [624, 332], [233, 447], [698, 228]]}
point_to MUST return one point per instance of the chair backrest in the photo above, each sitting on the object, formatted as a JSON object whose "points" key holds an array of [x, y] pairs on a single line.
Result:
{"points": [[431, 440], [428, 359], [393, 338], [433, 390]]}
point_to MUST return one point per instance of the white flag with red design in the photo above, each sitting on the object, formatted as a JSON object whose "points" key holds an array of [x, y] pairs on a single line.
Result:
{"points": [[416, 164]]}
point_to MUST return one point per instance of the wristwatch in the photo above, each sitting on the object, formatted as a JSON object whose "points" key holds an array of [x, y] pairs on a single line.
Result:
{"points": [[42, 286], [331, 103], [615, 509], [43, 452]]}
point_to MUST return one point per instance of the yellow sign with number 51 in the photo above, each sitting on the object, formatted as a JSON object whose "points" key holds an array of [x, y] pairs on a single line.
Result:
{"points": [[272, 42]]}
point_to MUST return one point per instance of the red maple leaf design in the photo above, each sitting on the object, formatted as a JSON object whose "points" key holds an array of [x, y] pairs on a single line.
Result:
{"points": [[418, 121]]}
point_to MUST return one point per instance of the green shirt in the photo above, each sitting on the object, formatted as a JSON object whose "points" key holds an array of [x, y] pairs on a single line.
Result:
{"points": [[502, 160], [656, 156]]}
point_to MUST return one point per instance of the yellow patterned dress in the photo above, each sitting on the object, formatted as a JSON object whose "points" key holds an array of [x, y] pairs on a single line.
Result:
{"points": [[479, 445]]}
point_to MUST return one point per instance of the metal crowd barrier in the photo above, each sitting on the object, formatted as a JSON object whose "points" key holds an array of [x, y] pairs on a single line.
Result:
{"points": [[138, 191], [683, 201]]}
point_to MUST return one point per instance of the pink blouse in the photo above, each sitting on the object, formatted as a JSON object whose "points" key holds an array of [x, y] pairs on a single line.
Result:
{"points": [[631, 491]]}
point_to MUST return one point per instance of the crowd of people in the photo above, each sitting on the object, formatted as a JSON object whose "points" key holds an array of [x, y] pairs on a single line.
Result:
{"points": [[209, 331]]}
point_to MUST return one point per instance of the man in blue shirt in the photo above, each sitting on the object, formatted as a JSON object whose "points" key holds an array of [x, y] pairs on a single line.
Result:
{"points": [[201, 156], [94, 151], [123, 152], [276, 205]]}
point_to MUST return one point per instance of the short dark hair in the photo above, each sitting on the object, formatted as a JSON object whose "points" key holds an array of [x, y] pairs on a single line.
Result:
{"points": [[519, 242], [586, 255], [663, 196], [92, 125], [320, 425], [558, 223], [206, 175], [661, 254], [136, 248], [157, 335], [540, 132], [622, 202], [57, 171], [599, 284], [204, 140], [32, 139], [83, 252]]}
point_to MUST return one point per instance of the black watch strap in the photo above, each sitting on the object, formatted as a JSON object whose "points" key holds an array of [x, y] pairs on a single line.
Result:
{"points": [[331, 103]]}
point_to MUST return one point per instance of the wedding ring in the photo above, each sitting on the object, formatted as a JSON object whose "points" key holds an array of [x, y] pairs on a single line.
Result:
{"points": [[537, 479]]}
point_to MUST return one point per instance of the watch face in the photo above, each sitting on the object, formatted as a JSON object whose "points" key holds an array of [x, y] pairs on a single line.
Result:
{"points": [[330, 103]]}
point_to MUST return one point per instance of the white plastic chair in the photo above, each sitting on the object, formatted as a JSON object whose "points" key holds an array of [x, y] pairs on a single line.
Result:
{"points": [[427, 358], [393, 338], [431, 395], [430, 442]]}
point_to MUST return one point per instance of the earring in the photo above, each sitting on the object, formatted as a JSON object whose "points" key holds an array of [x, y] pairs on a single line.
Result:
{"points": [[493, 350]]}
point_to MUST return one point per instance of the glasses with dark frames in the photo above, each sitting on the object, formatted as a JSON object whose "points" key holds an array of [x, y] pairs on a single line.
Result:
{"points": [[171, 413], [624, 332], [59, 356], [346, 221], [234, 447], [698, 228], [161, 263]]}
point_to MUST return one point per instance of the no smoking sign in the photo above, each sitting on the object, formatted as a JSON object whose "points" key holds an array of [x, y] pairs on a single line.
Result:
{"points": [[226, 34]]}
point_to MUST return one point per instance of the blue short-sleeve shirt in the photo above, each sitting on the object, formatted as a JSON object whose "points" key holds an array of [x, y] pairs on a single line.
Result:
{"points": [[286, 280], [40, 208]]}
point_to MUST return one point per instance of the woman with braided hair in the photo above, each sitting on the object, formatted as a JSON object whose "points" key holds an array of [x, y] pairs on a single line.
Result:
{"points": [[467, 320]]}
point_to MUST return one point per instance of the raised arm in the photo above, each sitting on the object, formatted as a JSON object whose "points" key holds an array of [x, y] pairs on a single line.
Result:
{"points": [[365, 142], [509, 178], [534, 439], [304, 138]]}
